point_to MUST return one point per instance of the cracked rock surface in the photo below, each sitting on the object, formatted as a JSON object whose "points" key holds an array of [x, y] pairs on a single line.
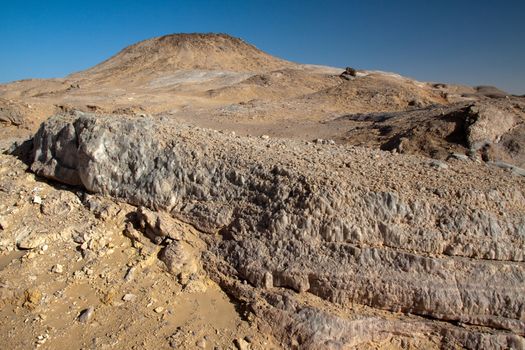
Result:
{"points": [[330, 246]]}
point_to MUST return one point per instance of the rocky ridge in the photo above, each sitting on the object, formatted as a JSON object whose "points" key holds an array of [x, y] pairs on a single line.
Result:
{"points": [[441, 242]]}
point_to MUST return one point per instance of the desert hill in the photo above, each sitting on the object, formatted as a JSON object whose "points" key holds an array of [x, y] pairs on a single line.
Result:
{"points": [[170, 53]]}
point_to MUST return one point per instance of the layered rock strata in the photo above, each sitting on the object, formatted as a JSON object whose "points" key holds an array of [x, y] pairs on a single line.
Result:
{"points": [[424, 255]]}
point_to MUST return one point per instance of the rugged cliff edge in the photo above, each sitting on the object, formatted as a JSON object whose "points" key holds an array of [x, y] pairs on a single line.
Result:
{"points": [[331, 246]]}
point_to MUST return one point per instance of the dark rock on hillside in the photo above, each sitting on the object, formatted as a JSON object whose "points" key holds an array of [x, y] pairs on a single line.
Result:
{"points": [[491, 91], [349, 73]]}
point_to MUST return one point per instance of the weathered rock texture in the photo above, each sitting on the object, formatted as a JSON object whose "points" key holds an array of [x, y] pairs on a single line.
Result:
{"points": [[490, 130], [10, 113], [333, 226]]}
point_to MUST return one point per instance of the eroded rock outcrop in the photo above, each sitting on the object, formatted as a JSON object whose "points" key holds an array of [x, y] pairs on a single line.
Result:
{"points": [[347, 225], [492, 131], [11, 113]]}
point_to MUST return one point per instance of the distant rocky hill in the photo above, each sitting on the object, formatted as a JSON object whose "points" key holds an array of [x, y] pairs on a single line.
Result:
{"points": [[175, 52]]}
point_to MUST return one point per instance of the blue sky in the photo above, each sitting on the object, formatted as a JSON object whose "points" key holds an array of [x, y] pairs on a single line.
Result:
{"points": [[472, 42]]}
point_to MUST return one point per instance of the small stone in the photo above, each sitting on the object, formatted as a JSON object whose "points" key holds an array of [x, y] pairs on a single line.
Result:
{"points": [[32, 297], [265, 137], [57, 268], [158, 309], [44, 247], [86, 314], [268, 280], [195, 286], [41, 339], [129, 274], [472, 153], [437, 164], [242, 344], [37, 199], [129, 297], [31, 241], [201, 343], [109, 296], [3, 223], [459, 156], [179, 260]]}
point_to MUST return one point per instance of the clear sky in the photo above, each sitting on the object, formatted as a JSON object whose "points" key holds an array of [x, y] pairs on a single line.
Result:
{"points": [[458, 41]]}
